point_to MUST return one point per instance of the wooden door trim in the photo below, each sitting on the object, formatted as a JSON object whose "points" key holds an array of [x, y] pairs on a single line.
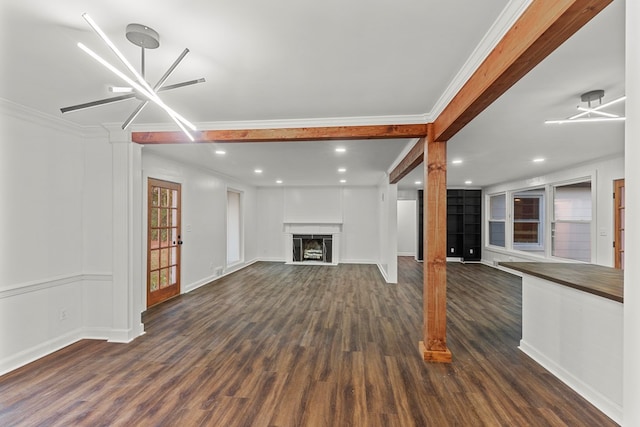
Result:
{"points": [[618, 250]]}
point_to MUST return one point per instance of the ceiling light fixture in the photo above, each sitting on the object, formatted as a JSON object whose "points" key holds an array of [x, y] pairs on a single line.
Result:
{"points": [[343, 181], [538, 160], [221, 152], [278, 181], [468, 182], [341, 150], [257, 170], [145, 38], [592, 114], [456, 161], [418, 182], [342, 170]]}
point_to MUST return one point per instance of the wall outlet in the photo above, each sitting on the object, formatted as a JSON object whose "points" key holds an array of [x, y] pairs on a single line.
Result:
{"points": [[62, 315]]}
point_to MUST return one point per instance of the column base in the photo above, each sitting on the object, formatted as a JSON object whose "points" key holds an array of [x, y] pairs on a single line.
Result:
{"points": [[441, 356]]}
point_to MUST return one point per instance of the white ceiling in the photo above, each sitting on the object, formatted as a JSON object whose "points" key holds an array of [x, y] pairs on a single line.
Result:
{"points": [[290, 62]]}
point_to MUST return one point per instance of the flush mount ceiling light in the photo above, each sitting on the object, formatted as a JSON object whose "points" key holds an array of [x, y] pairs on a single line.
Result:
{"points": [[592, 113], [138, 87]]}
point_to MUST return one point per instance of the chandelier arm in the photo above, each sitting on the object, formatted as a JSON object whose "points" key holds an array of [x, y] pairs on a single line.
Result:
{"points": [[134, 114], [170, 70], [97, 103], [183, 84]]}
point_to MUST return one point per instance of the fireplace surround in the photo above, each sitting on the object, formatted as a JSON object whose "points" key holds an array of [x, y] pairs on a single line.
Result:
{"points": [[312, 248], [312, 242]]}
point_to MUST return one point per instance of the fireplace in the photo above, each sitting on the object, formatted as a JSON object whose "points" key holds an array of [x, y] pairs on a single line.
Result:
{"points": [[313, 248]]}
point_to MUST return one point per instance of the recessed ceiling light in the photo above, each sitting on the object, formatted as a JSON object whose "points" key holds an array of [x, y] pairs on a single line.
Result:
{"points": [[342, 170], [257, 170], [418, 182], [343, 181], [468, 182], [341, 150], [220, 152], [456, 161], [538, 160], [279, 181]]}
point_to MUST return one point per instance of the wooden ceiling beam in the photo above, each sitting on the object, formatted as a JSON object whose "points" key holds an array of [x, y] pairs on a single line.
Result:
{"points": [[285, 134], [543, 26], [414, 157]]}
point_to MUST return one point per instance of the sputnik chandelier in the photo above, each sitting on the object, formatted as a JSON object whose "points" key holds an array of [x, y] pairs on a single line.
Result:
{"points": [[145, 38], [592, 113]]}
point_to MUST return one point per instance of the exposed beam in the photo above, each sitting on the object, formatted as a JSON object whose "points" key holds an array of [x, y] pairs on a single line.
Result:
{"points": [[414, 157], [434, 293], [543, 26], [285, 134]]}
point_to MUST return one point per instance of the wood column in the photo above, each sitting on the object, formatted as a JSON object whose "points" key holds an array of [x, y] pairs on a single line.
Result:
{"points": [[434, 294]]}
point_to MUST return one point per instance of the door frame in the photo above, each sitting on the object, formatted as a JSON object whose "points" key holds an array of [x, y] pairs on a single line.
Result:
{"points": [[147, 237], [618, 249]]}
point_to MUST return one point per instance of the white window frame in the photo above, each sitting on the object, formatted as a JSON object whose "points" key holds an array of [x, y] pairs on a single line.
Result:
{"points": [[491, 220], [591, 222], [539, 246]]}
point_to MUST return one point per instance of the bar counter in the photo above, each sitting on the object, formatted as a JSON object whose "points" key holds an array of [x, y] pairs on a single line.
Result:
{"points": [[572, 324]]}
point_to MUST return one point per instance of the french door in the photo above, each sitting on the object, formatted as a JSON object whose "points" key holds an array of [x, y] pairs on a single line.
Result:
{"points": [[163, 241]]}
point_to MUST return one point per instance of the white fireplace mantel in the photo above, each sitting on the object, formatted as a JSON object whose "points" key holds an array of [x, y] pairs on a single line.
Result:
{"points": [[312, 227]]}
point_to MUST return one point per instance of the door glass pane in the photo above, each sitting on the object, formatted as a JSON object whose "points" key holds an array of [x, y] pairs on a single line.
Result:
{"points": [[153, 213], [155, 281], [155, 196], [155, 239], [174, 255], [164, 278], [174, 217], [154, 260], [174, 199], [165, 237], [173, 277], [164, 217], [165, 197], [164, 257]]}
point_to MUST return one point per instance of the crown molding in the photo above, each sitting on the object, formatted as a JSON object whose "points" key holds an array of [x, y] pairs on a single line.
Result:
{"points": [[290, 123], [28, 114], [501, 25]]}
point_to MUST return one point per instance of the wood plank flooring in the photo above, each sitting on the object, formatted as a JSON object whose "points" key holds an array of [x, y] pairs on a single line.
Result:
{"points": [[283, 345]]}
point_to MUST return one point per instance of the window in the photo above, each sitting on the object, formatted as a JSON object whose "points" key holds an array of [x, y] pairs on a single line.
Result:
{"points": [[497, 216], [528, 220], [234, 227], [571, 226]]}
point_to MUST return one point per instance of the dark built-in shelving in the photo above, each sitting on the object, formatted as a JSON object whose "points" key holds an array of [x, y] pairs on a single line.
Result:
{"points": [[464, 224]]}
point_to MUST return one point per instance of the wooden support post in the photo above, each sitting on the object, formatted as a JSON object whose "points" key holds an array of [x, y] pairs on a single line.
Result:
{"points": [[434, 347]]}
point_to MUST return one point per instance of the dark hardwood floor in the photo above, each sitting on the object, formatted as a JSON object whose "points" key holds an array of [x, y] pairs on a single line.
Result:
{"points": [[282, 345]]}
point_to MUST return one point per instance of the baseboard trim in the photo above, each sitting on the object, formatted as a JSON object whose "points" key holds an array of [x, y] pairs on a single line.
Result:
{"points": [[36, 352], [608, 407]]}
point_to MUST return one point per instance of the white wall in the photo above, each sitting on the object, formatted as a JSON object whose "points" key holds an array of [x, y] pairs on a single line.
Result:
{"points": [[56, 221], [631, 382], [407, 227], [360, 233], [355, 207], [602, 174], [388, 229]]}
